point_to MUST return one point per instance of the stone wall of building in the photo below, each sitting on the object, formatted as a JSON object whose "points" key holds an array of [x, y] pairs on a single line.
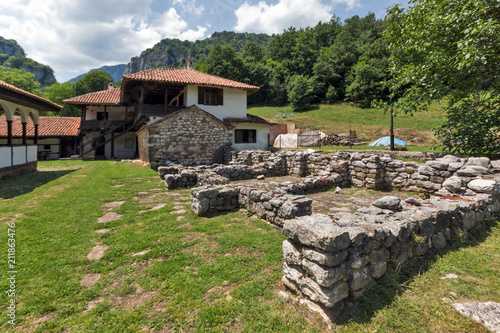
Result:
{"points": [[190, 137]]}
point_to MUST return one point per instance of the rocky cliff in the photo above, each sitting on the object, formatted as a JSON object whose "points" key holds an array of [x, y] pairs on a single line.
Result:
{"points": [[12, 55], [175, 53], [10, 47]]}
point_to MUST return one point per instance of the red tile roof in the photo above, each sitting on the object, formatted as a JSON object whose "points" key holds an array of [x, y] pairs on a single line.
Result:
{"points": [[10, 87], [250, 119], [47, 126], [173, 114], [104, 97], [186, 76]]}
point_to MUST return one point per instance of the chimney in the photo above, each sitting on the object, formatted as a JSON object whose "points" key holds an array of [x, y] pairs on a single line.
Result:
{"points": [[190, 64], [111, 86]]}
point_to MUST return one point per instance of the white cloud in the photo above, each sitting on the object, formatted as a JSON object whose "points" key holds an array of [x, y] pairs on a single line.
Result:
{"points": [[190, 7], [193, 35], [75, 36], [274, 18], [350, 3], [169, 23]]}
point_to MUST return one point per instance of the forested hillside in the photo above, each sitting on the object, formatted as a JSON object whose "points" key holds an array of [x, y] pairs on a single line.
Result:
{"points": [[331, 62], [12, 55], [175, 53]]}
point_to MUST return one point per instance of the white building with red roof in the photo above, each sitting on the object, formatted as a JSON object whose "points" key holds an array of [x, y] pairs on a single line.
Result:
{"points": [[203, 114], [20, 157], [57, 136]]}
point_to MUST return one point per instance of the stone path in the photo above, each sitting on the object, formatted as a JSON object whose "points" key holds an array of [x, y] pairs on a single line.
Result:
{"points": [[97, 252], [485, 313], [90, 279], [108, 217], [112, 204]]}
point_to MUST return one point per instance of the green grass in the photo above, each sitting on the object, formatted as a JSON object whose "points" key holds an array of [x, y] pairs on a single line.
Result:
{"points": [[413, 148], [369, 124], [213, 274]]}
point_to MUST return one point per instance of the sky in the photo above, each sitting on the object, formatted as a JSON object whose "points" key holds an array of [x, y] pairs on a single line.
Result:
{"points": [[74, 36]]}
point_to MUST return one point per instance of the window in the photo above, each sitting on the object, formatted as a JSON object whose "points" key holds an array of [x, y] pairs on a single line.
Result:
{"points": [[210, 96], [129, 143], [46, 147], [245, 136]]}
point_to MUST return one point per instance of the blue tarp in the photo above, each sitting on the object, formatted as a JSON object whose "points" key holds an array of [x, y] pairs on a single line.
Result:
{"points": [[386, 141]]}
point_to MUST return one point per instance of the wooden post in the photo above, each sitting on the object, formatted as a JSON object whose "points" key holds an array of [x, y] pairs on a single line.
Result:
{"points": [[81, 146], [35, 140], [24, 134], [9, 132], [113, 145], [166, 100], [141, 99]]}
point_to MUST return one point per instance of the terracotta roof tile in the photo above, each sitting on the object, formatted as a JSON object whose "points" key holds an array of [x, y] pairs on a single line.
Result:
{"points": [[173, 114], [186, 76], [250, 119], [47, 126], [10, 87], [104, 97]]}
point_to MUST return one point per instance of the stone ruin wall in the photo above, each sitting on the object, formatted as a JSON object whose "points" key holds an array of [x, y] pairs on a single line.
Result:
{"points": [[329, 258]]}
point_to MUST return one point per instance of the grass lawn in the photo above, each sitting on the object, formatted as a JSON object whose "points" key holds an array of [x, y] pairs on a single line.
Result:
{"points": [[166, 269], [369, 124]]}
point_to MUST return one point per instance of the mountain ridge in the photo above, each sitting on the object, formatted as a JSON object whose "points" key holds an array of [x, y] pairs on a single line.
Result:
{"points": [[175, 53], [12, 55], [116, 72]]}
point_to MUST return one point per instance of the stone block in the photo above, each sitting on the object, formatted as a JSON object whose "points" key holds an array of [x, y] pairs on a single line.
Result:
{"points": [[323, 258], [359, 280], [292, 253], [388, 202], [484, 186], [308, 287], [317, 231], [325, 276]]}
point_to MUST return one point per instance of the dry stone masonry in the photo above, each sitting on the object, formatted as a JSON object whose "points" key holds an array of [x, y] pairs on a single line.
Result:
{"points": [[333, 258], [191, 137]]}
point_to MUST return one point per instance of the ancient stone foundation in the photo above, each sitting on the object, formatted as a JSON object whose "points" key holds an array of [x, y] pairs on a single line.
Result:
{"points": [[333, 258]]}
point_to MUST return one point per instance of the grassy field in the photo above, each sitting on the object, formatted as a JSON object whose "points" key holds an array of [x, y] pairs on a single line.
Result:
{"points": [[369, 124], [166, 269]]}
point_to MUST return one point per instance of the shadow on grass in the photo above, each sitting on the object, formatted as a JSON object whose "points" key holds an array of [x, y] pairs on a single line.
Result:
{"points": [[393, 283], [22, 184]]}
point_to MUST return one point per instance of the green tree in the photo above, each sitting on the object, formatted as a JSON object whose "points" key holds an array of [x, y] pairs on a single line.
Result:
{"points": [[21, 79], [366, 83], [223, 61], [450, 50], [91, 82], [59, 92], [300, 92]]}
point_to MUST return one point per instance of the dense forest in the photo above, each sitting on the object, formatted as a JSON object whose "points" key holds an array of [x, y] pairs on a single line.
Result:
{"points": [[176, 53], [331, 62]]}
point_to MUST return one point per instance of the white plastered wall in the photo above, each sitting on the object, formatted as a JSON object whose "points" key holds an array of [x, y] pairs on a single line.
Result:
{"points": [[234, 102], [262, 136]]}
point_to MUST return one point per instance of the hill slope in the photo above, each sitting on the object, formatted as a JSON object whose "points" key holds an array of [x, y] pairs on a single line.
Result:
{"points": [[368, 123], [12, 55], [175, 53]]}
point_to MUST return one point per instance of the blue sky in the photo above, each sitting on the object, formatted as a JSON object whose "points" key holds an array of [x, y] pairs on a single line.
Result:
{"points": [[75, 36]]}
